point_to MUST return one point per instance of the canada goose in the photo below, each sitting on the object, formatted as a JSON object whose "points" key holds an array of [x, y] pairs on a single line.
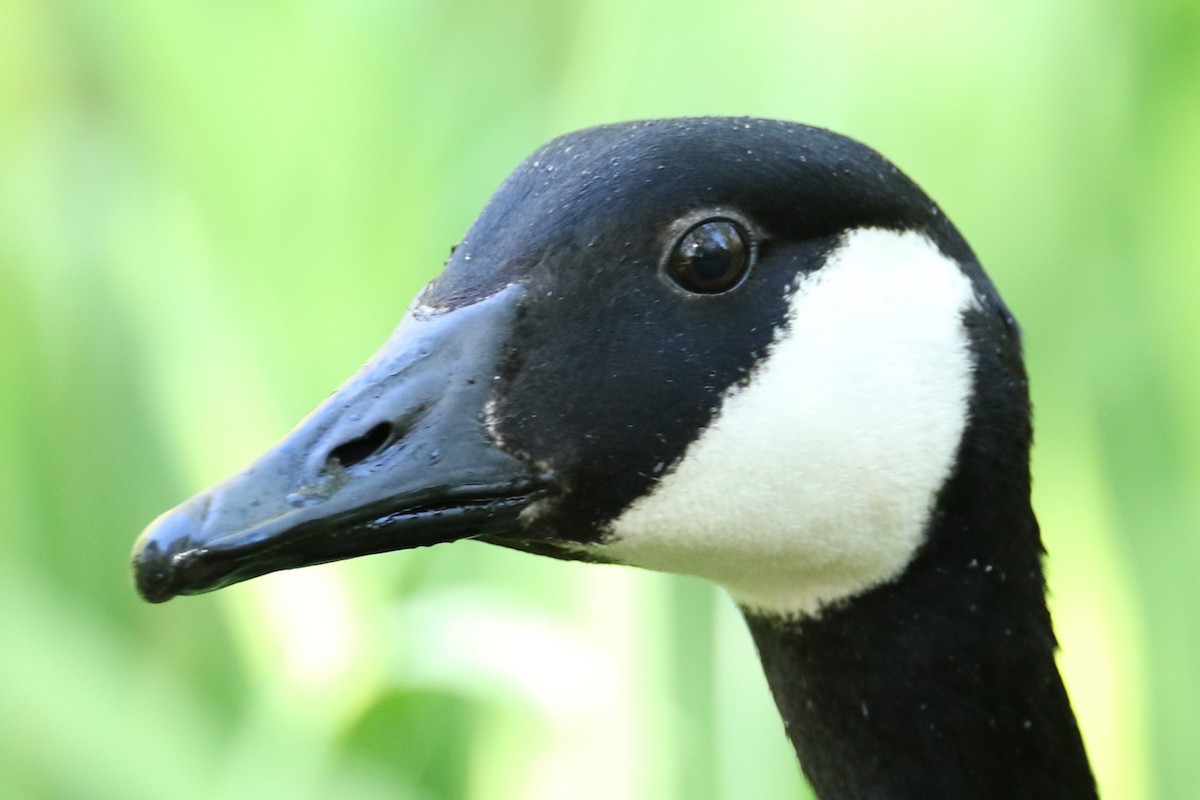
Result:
{"points": [[741, 349]]}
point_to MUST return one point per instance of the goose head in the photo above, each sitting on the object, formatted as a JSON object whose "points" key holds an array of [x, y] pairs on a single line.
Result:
{"points": [[730, 348]]}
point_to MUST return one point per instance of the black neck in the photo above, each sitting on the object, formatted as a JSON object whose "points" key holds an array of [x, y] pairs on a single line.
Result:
{"points": [[941, 684], [892, 697]]}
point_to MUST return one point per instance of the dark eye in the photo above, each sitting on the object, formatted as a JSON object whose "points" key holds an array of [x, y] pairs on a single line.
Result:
{"points": [[710, 258]]}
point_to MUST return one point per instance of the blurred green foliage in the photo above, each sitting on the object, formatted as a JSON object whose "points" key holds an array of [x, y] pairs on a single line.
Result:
{"points": [[211, 212]]}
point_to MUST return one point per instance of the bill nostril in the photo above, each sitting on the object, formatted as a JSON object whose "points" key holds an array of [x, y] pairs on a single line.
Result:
{"points": [[363, 447]]}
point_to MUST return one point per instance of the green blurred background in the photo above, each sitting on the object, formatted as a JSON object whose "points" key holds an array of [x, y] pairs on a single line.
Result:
{"points": [[212, 212]]}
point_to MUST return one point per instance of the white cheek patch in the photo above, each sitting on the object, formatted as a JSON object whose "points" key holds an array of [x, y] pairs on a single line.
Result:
{"points": [[816, 480]]}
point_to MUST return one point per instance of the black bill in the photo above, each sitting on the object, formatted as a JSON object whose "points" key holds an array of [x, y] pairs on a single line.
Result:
{"points": [[399, 457]]}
